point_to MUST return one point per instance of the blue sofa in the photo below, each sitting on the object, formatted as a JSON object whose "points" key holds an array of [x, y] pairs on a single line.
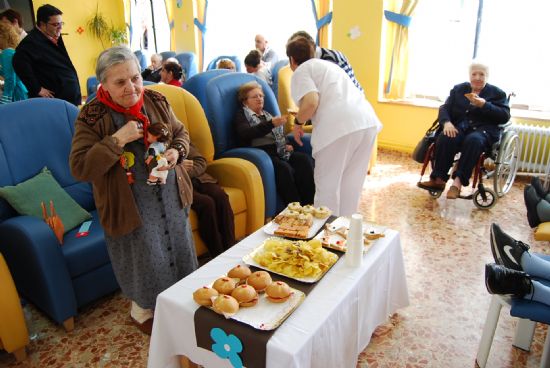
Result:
{"points": [[58, 279]]}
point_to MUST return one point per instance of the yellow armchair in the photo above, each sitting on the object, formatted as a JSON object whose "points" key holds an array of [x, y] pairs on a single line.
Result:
{"points": [[239, 178], [284, 98], [13, 330]]}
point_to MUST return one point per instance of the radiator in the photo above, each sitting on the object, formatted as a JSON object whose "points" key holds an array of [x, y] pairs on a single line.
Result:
{"points": [[535, 148]]}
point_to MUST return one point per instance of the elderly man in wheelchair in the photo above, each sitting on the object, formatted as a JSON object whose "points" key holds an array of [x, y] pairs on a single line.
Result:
{"points": [[471, 121]]}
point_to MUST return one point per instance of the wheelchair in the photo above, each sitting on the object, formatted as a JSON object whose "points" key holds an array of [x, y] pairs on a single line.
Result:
{"points": [[499, 164]]}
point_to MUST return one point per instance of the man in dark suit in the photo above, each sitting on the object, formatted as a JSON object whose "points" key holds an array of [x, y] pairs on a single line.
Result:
{"points": [[42, 62]]}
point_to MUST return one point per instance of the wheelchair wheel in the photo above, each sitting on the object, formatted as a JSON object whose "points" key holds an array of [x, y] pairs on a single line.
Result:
{"points": [[485, 204], [506, 163]]}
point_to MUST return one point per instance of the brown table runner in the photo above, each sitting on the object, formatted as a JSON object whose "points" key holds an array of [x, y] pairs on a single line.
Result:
{"points": [[253, 341]]}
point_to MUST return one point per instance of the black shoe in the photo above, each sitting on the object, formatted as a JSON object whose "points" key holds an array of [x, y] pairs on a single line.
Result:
{"points": [[535, 183], [531, 199], [505, 281], [506, 250]]}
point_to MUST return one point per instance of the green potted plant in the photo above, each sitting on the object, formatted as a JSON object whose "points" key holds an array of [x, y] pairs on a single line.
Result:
{"points": [[98, 26], [100, 29]]}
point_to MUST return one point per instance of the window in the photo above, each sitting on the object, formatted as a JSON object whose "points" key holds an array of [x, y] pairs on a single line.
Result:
{"points": [[150, 28], [511, 38], [232, 25]]}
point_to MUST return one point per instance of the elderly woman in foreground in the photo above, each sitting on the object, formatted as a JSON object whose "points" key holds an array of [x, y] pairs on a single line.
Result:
{"points": [[344, 127], [469, 123], [147, 231]]}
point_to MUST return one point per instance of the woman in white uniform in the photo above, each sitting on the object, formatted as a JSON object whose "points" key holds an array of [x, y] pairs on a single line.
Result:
{"points": [[344, 127]]}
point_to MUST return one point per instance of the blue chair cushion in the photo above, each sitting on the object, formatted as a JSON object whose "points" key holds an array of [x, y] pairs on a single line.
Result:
{"points": [[82, 254]]}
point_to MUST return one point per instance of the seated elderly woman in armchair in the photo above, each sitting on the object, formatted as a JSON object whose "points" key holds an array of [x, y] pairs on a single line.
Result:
{"points": [[257, 128], [469, 123]]}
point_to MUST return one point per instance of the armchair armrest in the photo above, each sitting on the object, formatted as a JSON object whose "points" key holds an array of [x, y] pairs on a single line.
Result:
{"points": [[239, 173], [264, 165], [306, 140], [38, 266], [13, 331]]}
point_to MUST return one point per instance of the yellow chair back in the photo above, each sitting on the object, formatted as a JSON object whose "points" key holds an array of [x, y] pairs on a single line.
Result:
{"points": [[187, 108]]}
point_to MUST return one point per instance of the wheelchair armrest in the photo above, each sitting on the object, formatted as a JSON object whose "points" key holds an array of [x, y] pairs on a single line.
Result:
{"points": [[38, 266], [264, 165], [242, 174]]}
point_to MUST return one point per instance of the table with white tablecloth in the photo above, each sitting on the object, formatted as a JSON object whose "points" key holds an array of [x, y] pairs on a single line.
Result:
{"points": [[329, 329]]}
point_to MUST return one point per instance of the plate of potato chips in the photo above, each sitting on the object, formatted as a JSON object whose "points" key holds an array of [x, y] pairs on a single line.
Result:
{"points": [[305, 261]]}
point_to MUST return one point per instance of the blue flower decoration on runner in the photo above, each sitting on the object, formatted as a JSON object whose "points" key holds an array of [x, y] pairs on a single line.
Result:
{"points": [[227, 346]]}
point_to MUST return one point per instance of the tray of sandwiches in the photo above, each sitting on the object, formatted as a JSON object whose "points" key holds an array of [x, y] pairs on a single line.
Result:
{"points": [[334, 235], [300, 260], [253, 298], [298, 222]]}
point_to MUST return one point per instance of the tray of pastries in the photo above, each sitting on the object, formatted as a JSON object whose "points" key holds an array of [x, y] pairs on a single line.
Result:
{"points": [[253, 298], [298, 222], [334, 235], [301, 260]]}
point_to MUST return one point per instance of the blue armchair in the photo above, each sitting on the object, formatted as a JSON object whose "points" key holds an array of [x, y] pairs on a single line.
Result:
{"points": [[167, 54], [235, 59], [188, 62], [196, 85], [91, 85], [141, 56], [56, 279], [275, 75], [221, 95]]}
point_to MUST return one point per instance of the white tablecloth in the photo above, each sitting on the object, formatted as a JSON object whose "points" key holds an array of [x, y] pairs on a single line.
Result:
{"points": [[331, 327]]}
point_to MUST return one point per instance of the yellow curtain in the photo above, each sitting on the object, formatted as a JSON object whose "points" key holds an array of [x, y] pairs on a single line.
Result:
{"points": [[200, 23], [397, 63], [323, 16]]}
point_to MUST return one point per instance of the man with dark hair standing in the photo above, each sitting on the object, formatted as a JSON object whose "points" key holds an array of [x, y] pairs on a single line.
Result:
{"points": [[42, 62], [14, 18]]}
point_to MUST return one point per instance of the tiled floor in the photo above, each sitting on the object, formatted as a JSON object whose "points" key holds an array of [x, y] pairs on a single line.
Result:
{"points": [[445, 244]]}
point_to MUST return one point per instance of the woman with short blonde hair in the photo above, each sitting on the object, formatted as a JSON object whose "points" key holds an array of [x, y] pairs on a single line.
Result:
{"points": [[14, 89]]}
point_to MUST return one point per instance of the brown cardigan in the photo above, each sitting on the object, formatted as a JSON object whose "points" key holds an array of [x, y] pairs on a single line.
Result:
{"points": [[95, 158], [199, 166]]}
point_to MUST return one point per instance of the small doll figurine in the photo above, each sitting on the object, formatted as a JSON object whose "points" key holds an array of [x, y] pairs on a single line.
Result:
{"points": [[158, 137]]}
